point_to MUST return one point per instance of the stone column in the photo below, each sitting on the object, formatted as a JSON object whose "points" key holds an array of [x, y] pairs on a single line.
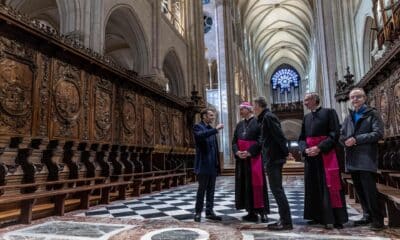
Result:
{"points": [[327, 51], [196, 50], [93, 27]]}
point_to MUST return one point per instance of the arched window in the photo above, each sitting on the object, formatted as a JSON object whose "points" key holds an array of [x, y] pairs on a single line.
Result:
{"points": [[285, 84]]}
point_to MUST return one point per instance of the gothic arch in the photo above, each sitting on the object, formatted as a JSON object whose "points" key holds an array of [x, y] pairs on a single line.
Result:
{"points": [[46, 11], [172, 69], [125, 39], [368, 43]]}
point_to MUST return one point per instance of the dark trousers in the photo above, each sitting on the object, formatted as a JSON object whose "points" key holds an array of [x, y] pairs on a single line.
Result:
{"points": [[206, 186], [365, 185], [274, 172]]}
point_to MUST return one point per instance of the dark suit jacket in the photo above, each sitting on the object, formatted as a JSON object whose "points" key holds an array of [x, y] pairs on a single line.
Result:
{"points": [[273, 141], [207, 154]]}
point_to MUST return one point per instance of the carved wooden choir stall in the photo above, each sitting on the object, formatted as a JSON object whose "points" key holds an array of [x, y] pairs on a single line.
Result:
{"points": [[76, 129]]}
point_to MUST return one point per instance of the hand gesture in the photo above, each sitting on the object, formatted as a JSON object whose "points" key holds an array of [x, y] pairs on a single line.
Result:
{"points": [[350, 142], [313, 151]]}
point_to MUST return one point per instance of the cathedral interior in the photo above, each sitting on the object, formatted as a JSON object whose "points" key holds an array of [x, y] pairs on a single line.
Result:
{"points": [[98, 99]]}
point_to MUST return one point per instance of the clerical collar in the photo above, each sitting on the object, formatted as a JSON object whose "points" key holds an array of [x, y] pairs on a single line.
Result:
{"points": [[248, 119]]}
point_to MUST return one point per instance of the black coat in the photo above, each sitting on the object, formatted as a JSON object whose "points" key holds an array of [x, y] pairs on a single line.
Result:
{"points": [[273, 141], [322, 122], [368, 131], [207, 153]]}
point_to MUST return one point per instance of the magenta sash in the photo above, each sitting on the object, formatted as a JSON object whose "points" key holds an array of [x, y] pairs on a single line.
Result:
{"points": [[331, 168], [256, 174]]}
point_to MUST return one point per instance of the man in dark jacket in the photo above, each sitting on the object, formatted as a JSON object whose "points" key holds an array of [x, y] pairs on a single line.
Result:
{"points": [[360, 133], [274, 153], [206, 163], [324, 201]]}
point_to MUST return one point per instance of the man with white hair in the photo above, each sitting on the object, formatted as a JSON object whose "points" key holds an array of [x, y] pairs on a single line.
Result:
{"points": [[251, 191], [360, 133]]}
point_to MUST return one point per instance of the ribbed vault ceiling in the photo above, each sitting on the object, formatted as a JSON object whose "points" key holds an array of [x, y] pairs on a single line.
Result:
{"points": [[280, 31]]}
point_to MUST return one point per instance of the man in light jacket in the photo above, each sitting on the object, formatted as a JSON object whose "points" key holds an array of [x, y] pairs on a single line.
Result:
{"points": [[360, 133]]}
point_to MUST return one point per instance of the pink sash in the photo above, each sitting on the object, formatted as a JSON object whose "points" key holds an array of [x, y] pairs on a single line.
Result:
{"points": [[256, 174], [331, 168]]}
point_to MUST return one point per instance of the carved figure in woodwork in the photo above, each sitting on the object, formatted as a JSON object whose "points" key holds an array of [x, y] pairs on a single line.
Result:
{"points": [[129, 116], [148, 125], [384, 108], [15, 99], [177, 130], [164, 127], [67, 100], [103, 111], [15, 96], [396, 93]]}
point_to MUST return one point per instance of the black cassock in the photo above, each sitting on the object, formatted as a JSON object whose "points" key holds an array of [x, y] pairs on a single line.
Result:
{"points": [[248, 130], [317, 204]]}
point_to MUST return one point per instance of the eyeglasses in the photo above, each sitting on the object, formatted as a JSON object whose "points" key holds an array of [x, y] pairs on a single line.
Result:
{"points": [[356, 96]]}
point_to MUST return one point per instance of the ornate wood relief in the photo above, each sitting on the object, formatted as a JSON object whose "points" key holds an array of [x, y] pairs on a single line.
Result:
{"points": [[386, 98], [129, 118], [44, 91], [103, 108], [163, 127], [16, 79], [148, 123], [67, 101], [396, 110], [177, 129]]}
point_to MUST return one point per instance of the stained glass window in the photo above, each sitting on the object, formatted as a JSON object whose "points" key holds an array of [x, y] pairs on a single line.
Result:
{"points": [[207, 23], [284, 78], [206, 1]]}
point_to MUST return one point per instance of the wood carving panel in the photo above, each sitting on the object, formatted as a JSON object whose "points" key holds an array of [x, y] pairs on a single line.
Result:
{"points": [[148, 122], [43, 79], [129, 118], [16, 81], [67, 101], [163, 127], [386, 98], [177, 129], [396, 103], [103, 109]]}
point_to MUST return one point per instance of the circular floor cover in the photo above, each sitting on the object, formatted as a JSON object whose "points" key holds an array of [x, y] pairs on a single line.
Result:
{"points": [[177, 234]]}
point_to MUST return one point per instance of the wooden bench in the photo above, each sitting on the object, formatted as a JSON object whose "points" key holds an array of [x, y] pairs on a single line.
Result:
{"points": [[391, 197], [154, 180], [383, 175], [394, 180], [28, 200]]}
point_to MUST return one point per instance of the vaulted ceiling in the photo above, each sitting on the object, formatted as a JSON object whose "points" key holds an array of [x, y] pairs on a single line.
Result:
{"points": [[280, 31]]}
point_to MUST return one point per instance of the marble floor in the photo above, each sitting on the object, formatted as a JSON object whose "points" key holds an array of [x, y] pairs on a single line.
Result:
{"points": [[147, 217]]}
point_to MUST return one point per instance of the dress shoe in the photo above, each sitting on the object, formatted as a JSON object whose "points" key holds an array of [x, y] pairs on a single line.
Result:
{"points": [[279, 226], [377, 226], [212, 216], [312, 222], [197, 217], [362, 222], [338, 226], [329, 226], [263, 218], [251, 217]]}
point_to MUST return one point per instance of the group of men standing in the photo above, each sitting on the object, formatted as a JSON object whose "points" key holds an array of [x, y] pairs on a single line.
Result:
{"points": [[259, 145]]}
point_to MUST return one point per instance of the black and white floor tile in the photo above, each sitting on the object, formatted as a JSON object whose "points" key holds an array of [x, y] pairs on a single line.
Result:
{"points": [[179, 203]]}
